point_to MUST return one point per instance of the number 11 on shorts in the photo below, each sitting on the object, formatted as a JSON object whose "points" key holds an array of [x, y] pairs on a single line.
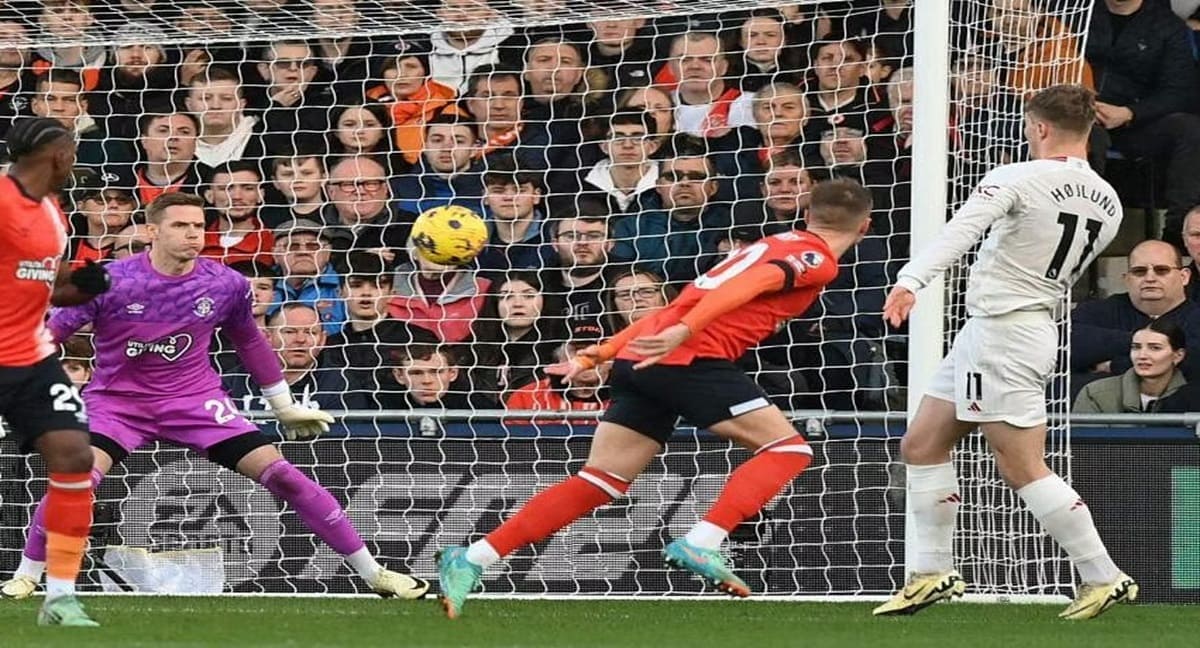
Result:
{"points": [[974, 386]]}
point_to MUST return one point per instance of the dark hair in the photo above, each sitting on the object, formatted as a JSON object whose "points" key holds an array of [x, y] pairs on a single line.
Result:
{"points": [[303, 152], [61, 75], [785, 158], [841, 203], [447, 119], [631, 117], [157, 207], [1174, 333], [160, 111], [489, 330], [218, 74], [236, 166], [384, 146], [366, 265], [416, 351], [1071, 108], [29, 135], [504, 170], [254, 270], [491, 72]]}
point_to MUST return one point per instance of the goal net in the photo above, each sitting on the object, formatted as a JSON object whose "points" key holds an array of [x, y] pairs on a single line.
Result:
{"points": [[618, 150]]}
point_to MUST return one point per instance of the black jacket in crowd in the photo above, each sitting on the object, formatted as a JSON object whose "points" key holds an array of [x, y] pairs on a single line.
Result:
{"points": [[1102, 329], [1148, 67]]}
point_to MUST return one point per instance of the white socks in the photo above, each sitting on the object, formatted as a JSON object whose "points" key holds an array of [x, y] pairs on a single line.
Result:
{"points": [[56, 587], [706, 535], [1067, 519], [482, 553], [31, 569], [364, 563], [933, 501]]}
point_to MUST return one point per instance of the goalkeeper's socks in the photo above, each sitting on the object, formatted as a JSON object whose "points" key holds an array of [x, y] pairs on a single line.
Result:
{"points": [[755, 482], [1066, 517], [551, 510], [319, 511], [933, 502], [364, 564], [35, 544], [30, 568], [68, 521]]}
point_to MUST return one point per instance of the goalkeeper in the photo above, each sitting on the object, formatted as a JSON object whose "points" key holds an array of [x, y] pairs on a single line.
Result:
{"points": [[154, 381]]}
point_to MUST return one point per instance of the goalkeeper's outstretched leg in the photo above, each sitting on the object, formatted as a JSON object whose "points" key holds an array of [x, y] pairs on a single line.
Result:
{"points": [[321, 513]]}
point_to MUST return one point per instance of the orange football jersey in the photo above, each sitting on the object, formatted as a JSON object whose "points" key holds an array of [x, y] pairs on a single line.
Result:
{"points": [[32, 243]]}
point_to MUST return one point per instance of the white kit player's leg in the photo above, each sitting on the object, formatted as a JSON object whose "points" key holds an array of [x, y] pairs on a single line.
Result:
{"points": [[1063, 514]]}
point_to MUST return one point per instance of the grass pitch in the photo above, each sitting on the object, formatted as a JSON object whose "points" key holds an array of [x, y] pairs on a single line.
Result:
{"points": [[161, 622]]}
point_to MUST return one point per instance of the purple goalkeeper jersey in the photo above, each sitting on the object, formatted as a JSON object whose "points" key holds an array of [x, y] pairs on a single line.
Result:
{"points": [[153, 331]]}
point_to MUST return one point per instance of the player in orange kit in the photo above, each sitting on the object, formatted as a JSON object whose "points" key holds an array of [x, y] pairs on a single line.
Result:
{"points": [[38, 402], [680, 362]]}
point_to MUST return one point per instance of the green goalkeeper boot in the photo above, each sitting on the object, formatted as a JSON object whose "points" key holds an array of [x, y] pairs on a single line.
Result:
{"points": [[708, 564], [64, 611], [457, 577]]}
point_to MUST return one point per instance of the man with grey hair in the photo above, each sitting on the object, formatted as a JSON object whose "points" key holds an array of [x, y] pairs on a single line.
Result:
{"points": [[705, 104]]}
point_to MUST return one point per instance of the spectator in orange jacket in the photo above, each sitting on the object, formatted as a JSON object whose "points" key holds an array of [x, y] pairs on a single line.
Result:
{"points": [[1043, 52], [412, 95]]}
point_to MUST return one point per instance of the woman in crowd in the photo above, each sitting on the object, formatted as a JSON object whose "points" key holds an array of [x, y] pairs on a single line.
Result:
{"points": [[1156, 351], [636, 293], [513, 338]]}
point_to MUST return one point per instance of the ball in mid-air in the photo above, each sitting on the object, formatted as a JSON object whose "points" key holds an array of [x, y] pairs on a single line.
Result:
{"points": [[449, 235]]}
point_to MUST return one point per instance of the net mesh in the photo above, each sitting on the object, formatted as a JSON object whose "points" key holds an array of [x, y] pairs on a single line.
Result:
{"points": [[617, 150]]}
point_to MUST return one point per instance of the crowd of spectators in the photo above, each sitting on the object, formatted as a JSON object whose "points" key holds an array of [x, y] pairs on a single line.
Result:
{"points": [[614, 161]]}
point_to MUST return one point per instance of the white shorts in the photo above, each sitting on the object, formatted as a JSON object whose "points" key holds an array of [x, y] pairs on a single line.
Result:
{"points": [[998, 367]]}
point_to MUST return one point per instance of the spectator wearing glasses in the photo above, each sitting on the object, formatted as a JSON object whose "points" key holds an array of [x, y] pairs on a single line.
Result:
{"points": [[101, 212], [294, 108], [636, 293], [674, 240], [626, 176], [307, 276], [361, 208], [237, 234], [1101, 330], [581, 244]]}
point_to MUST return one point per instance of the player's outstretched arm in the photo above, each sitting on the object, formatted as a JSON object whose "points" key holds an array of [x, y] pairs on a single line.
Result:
{"points": [[987, 205], [597, 354], [72, 288]]}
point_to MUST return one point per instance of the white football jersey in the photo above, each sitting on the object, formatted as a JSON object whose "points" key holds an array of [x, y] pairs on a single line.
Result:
{"points": [[1048, 219]]}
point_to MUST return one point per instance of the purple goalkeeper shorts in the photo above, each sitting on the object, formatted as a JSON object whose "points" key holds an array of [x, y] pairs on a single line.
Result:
{"points": [[195, 421]]}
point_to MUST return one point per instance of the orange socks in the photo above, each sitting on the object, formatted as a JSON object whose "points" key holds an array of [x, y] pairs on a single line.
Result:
{"points": [[68, 522]]}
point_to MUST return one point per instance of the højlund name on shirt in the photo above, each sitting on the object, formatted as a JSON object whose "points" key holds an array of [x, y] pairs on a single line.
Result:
{"points": [[1099, 197]]}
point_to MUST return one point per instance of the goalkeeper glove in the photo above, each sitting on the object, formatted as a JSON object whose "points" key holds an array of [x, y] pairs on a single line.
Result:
{"points": [[91, 279], [298, 421]]}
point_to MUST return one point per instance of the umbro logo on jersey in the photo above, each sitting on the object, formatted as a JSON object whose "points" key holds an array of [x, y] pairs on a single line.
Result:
{"points": [[135, 308]]}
